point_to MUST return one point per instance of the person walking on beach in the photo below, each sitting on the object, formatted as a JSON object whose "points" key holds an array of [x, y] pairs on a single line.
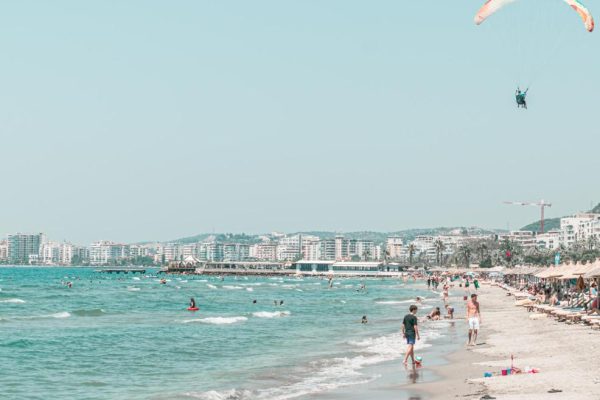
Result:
{"points": [[473, 318], [446, 288], [410, 331]]}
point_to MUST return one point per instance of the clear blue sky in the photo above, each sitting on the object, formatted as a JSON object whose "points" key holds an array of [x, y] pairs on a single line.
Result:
{"points": [[152, 120]]}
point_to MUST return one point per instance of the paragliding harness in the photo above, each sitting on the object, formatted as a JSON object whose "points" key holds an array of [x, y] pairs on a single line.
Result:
{"points": [[520, 97]]}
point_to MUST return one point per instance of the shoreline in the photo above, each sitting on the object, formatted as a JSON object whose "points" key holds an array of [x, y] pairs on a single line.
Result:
{"points": [[566, 355]]}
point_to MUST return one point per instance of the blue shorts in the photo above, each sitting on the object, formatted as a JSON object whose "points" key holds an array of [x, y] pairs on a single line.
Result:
{"points": [[410, 339]]}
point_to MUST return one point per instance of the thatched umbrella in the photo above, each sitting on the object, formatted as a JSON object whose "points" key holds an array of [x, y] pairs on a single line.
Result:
{"points": [[594, 273]]}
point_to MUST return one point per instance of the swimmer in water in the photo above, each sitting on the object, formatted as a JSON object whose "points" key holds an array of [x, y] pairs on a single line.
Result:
{"points": [[192, 302], [435, 314], [364, 320], [253, 301]]}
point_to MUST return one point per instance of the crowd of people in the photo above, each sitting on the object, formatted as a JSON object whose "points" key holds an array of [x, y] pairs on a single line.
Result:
{"points": [[555, 295]]}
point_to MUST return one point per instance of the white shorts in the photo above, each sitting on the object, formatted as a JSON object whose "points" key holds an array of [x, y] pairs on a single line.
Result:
{"points": [[473, 323]]}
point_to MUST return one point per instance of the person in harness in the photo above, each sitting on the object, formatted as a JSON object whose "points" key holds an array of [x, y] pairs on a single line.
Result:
{"points": [[520, 97]]}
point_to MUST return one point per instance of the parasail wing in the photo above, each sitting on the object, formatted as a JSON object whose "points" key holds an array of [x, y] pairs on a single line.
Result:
{"points": [[583, 12], [489, 8]]}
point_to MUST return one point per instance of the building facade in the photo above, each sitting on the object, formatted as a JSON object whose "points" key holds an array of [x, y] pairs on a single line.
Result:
{"points": [[25, 248]]}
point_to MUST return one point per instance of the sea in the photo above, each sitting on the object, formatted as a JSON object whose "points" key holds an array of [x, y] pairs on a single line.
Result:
{"points": [[126, 336]]}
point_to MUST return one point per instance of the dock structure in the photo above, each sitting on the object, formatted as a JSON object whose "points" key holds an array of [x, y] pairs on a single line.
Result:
{"points": [[122, 270], [298, 268]]}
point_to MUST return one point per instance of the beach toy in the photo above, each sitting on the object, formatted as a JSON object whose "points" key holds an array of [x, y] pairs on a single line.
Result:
{"points": [[193, 308], [504, 372], [487, 374], [418, 361], [508, 371]]}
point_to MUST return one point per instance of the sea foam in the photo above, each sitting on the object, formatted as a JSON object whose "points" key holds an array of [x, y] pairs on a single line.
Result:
{"points": [[15, 301], [63, 314], [216, 320], [268, 314]]}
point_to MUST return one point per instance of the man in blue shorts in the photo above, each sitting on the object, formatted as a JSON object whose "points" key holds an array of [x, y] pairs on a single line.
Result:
{"points": [[410, 331]]}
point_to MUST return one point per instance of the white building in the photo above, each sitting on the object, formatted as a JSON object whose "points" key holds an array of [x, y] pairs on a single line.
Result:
{"points": [[311, 250], [138, 251], [54, 253], [525, 239], [106, 252], [236, 252], [292, 247], [578, 228], [264, 251], [549, 240], [393, 247], [100, 252], [3, 250], [25, 248], [175, 252]]}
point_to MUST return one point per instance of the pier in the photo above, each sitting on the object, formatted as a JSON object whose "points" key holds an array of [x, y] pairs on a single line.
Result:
{"points": [[122, 270]]}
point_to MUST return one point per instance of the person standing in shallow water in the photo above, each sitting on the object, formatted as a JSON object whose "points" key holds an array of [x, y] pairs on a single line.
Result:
{"points": [[410, 331]]}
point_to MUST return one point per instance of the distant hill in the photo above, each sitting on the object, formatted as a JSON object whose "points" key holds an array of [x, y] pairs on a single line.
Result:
{"points": [[552, 223], [406, 235], [549, 224], [377, 237], [220, 237]]}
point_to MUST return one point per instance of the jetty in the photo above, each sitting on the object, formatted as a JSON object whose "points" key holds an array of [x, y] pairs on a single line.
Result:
{"points": [[121, 270]]}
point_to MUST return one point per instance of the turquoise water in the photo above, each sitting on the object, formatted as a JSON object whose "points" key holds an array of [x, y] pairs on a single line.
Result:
{"points": [[129, 337]]}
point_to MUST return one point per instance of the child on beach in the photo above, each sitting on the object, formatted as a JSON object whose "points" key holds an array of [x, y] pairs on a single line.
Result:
{"points": [[410, 331]]}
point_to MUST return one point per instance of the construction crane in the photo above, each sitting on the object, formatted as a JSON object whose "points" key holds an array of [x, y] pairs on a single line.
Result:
{"points": [[542, 204]]}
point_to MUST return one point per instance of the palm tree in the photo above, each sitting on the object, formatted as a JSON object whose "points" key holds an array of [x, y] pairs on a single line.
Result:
{"points": [[439, 249], [465, 252], [592, 242], [411, 253], [366, 254], [482, 250]]}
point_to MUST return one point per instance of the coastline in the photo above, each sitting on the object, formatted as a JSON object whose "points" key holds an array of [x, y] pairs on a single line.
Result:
{"points": [[567, 356]]}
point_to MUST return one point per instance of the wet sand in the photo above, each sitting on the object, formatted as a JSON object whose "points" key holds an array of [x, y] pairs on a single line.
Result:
{"points": [[568, 357]]}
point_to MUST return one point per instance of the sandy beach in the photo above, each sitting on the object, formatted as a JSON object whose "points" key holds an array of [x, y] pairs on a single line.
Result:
{"points": [[567, 357]]}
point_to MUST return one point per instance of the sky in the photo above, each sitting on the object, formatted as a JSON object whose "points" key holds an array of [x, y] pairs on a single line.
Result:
{"points": [[154, 120]]}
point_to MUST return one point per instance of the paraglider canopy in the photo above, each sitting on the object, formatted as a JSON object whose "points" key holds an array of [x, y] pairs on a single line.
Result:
{"points": [[491, 6]]}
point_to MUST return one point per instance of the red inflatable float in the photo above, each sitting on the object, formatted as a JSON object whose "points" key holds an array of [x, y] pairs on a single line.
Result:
{"points": [[193, 308]]}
